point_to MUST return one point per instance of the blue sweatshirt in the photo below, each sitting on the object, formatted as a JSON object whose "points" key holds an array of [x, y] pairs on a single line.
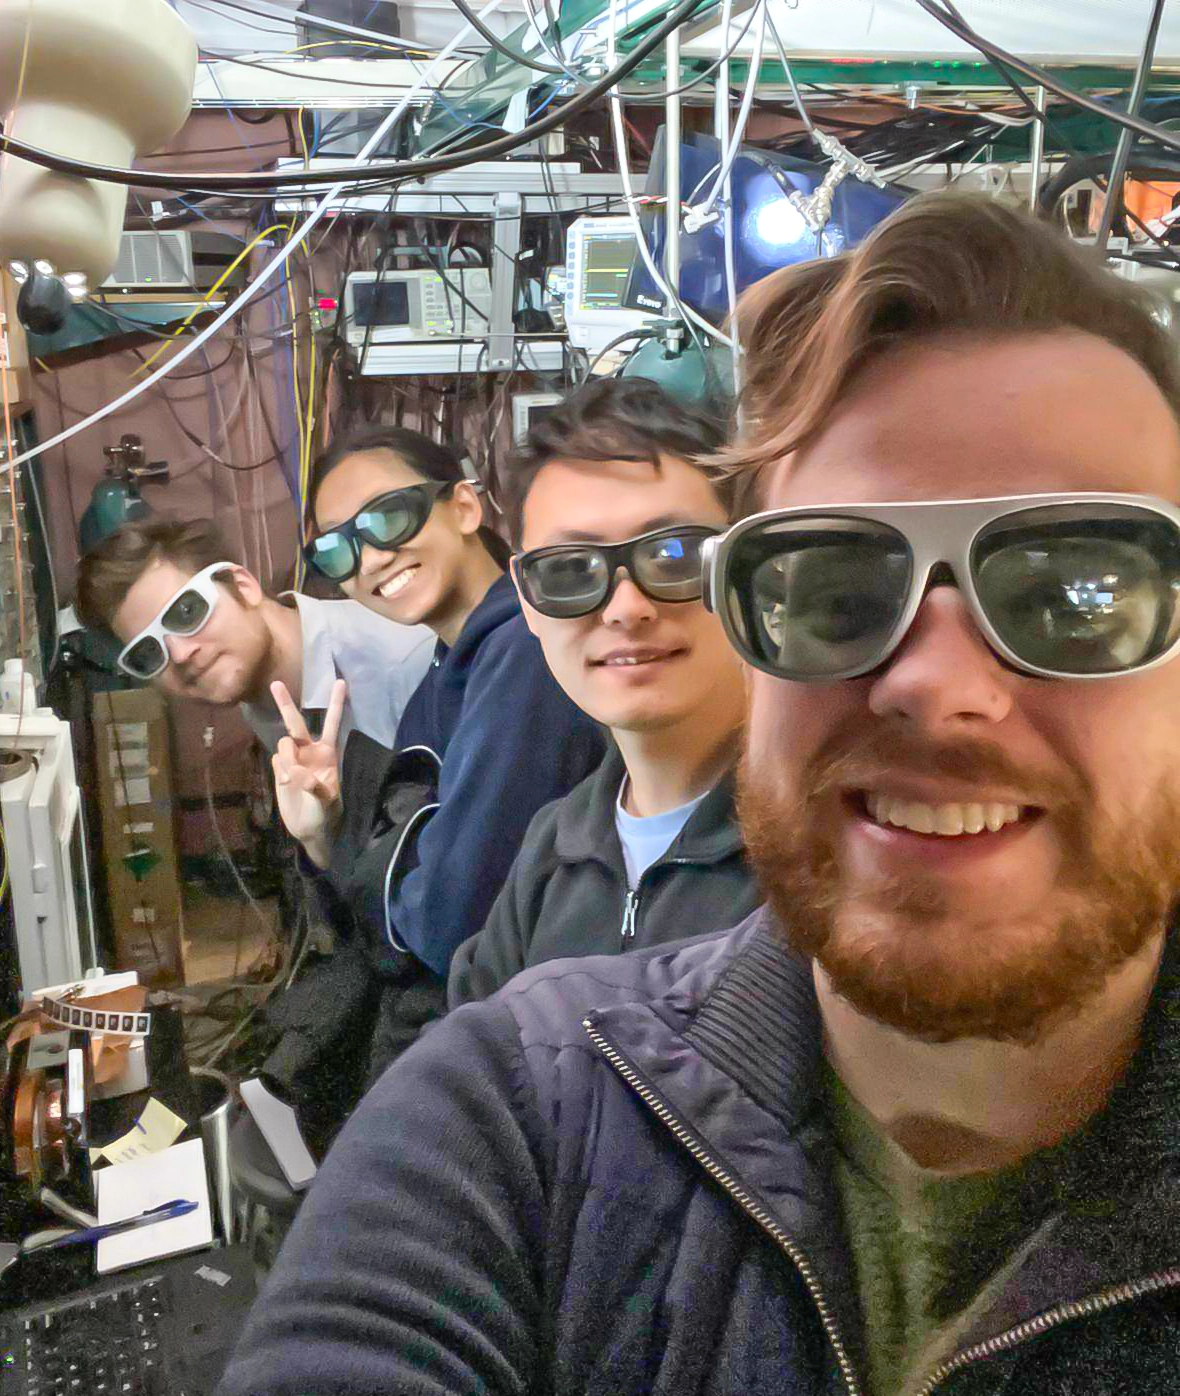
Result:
{"points": [[510, 741]]}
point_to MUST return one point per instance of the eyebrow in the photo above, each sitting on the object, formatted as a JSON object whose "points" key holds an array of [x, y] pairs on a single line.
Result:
{"points": [[574, 535]]}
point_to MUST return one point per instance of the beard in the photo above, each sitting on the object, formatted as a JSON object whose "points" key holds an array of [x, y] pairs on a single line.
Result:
{"points": [[903, 951]]}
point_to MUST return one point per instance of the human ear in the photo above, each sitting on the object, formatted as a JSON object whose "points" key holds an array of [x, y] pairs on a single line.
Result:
{"points": [[248, 587], [467, 508]]}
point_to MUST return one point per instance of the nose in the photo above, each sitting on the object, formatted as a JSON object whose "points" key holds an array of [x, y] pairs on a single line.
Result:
{"points": [[943, 674], [373, 560], [181, 648], [628, 607]]}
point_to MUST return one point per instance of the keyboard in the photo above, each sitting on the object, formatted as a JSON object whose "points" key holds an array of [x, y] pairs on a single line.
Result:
{"points": [[163, 1330]]}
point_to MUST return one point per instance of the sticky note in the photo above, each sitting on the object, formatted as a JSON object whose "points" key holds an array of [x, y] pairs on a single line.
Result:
{"points": [[156, 1128]]}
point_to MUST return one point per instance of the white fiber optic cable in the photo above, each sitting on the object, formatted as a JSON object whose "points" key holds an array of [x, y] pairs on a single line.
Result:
{"points": [[743, 115], [721, 131], [268, 272], [804, 114], [616, 111]]}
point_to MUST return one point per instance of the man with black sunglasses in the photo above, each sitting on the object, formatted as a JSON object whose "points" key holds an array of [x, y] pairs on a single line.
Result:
{"points": [[913, 1128], [608, 513]]}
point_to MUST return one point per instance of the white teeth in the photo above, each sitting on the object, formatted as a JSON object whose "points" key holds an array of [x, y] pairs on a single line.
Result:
{"points": [[626, 659], [949, 820], [398, 583]]}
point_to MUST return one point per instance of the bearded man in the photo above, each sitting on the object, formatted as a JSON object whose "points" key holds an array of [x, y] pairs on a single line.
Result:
{"points": [[913, 1127]]}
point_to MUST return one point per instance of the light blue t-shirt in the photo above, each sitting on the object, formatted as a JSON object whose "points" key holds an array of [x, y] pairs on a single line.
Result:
{"points": [[647, 838]]}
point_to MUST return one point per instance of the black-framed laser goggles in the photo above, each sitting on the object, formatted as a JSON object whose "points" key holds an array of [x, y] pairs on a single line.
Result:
{"points": [[569, 580], [1065, 586], [387, 523]]}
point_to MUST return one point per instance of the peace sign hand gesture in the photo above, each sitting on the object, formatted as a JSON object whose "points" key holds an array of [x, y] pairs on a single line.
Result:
{"points": [[307, 779]]}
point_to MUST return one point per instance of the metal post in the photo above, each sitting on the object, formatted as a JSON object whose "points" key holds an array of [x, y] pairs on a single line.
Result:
{"points": [[508, 207], [672, 171], [1036, 153], [1122, 151]]}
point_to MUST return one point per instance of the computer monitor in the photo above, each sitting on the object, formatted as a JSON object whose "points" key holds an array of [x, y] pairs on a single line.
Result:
{"points": [[599, 253], [769, 232]]}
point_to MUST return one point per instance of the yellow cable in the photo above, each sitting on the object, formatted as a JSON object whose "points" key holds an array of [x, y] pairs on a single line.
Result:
{"points": [[307, 451], [20, 78], [211, 292], [361, 43], [4, 855]]}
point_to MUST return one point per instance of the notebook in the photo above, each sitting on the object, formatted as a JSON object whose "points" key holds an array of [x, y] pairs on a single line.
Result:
{"points": [[128, 1189]]}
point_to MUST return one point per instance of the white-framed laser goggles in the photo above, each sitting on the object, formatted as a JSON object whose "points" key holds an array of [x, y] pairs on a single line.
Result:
{"points": [[146, 655], [1077, 586]]}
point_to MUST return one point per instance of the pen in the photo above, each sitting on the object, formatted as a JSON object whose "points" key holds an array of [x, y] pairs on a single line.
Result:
{"points": [[178, 1207]]}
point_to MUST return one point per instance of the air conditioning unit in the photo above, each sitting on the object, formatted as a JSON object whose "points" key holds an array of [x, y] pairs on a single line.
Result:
{"points": [[172, 261]]}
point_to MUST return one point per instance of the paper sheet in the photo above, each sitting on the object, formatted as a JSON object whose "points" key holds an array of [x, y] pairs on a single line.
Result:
{"points": [[128, 1189]]}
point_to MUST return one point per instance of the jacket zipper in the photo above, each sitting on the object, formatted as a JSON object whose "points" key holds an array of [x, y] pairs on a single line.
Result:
{"points": [[1012, 1337], [748, 1204], [1051, 1318], [631, 905]]}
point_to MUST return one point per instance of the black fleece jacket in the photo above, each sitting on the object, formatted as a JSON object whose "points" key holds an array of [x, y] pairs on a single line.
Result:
{"points": [[567, 893]]}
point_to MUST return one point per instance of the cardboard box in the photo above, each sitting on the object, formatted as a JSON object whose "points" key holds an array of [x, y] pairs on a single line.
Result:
{"points": [[139, 834]]}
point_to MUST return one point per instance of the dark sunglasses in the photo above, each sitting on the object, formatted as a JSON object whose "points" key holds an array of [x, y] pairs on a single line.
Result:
{"points": [[1065, 586], [577, 579], [386, 523]]}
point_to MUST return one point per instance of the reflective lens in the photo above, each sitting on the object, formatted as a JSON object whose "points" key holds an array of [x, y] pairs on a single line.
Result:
{"points": [[146, 658], [668, 568], [187, 614], [332, 554], [566, 583], [388, 525], [817, 598], [1077, 595]]}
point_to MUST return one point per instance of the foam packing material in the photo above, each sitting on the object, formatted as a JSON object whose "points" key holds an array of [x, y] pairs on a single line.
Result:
{"points": [[103, 80]]}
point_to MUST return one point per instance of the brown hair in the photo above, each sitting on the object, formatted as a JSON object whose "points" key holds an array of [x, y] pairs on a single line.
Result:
{"points": [[611, 419], [108, 572], [944, 263]]}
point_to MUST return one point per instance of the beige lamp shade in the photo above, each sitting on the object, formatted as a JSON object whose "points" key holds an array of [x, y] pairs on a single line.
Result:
{"points": [[98, 80]]}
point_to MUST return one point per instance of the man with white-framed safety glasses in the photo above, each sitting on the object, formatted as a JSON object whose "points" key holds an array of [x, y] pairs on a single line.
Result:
{"points": [[147, 654], [199, 626]]}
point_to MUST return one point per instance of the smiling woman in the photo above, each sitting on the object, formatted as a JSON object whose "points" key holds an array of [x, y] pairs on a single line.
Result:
{"points": [[400, 529]]}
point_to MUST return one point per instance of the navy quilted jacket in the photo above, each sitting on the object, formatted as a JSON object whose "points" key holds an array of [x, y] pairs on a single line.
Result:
{"points": [[612, 1179]]}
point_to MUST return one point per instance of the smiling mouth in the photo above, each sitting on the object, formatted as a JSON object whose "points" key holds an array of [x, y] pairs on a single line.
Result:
{"points": [[398, 582], [952, 819], [635, 658]]}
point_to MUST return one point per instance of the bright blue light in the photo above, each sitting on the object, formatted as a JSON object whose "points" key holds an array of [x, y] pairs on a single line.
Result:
{"points": [[779, 223]]}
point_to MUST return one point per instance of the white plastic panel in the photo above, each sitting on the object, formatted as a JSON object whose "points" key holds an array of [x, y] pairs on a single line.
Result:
{"points": [[1060, 31]]}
